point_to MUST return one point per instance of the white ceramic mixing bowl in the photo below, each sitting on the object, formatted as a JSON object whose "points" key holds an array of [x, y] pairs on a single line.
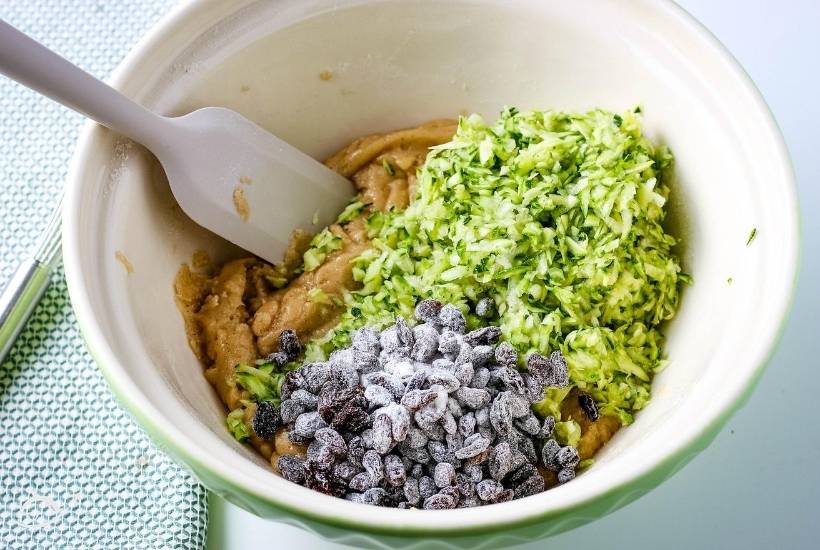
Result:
{"points": [[395, 64]]}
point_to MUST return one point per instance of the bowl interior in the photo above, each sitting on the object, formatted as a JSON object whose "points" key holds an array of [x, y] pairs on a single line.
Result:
{"points": [[395, 64]]}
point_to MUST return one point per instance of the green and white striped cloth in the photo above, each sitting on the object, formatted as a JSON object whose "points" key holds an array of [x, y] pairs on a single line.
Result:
{"points": [[76, 471]]}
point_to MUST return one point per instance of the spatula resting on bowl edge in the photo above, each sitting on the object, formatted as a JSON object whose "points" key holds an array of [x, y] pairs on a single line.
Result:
{"points": [[225, 172]]}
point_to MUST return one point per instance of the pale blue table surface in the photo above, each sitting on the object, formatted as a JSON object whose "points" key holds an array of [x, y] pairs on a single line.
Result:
{"points": [[758, 485]]}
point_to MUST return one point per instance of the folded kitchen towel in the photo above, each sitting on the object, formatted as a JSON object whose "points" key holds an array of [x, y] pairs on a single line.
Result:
{"points": [[76, 472]]}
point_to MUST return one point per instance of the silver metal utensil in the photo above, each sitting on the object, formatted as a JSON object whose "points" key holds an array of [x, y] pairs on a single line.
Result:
{"points": [[25, 288]]}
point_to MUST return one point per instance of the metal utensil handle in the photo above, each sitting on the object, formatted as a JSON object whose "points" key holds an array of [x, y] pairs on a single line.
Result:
{"points": [[29, 282], [19, 299]]}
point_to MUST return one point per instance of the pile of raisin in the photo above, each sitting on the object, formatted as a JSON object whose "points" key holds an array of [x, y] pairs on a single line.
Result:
{"points": [[427, 416]]}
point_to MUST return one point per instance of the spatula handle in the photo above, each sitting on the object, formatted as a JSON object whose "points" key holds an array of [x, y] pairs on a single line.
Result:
{"points": [[32, 64]]}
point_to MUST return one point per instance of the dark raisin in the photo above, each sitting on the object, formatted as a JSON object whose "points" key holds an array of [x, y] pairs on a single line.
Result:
{"points": [[454, 440], [404, 332], [474, 445], [315, 376], [331, 439], [549, 453], [547, 427], [294, 380], [347, 376], [567, 474], [411, 490], [483, 335], [427, 311], [364, 361], [426, 342], [474, 472], [506, 355], [568, 457], [511, 379], [549, 371], [452, 318], [444, 474], [290, 411], [439, 501], [449, 342], [527, 448], [488, 489], [528, 424], [266, 420], [481, 356], [394, 496], [392, 383], [451, 491], [501, 414], [292, 468], [394, 470], [534, 390], [560, 371], [416, 381], [343, 407], [540, 369], [289, 344], [306, 425], [305, 399], [375, 496], [427, 487], [501, 460], [351, 417], [361, 482], [523, 472], [588, 405], [419, 455], [314, 450], [355, 450], [278, 358], [366, 339], [530, 486], [466, 487], [319, 478], [345, 470]]}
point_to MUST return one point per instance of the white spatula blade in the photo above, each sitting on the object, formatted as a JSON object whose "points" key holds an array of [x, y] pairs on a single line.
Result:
{"points": [[245, 184]]}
